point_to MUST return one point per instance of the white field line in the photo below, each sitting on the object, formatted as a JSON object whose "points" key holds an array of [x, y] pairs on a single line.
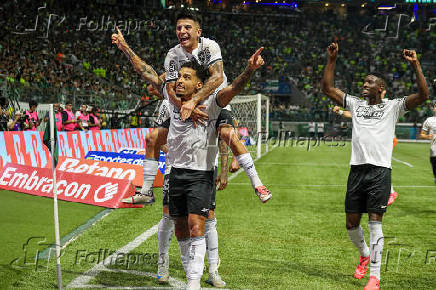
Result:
{"points": [[330, 185], [404, 162], [83, 280]]}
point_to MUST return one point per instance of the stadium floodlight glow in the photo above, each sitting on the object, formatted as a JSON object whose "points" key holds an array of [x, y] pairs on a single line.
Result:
{"points": [[387, 7]]}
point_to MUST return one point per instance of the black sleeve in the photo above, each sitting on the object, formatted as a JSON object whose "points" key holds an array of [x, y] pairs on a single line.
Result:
{"points": [[91, 120], [64, 117]]}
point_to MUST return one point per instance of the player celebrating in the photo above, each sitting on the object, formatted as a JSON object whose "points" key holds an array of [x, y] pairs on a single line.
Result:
{"points": [[206, 52], [428, 132], [393, 195], [369, 180], [166, 224], [191, 152]]}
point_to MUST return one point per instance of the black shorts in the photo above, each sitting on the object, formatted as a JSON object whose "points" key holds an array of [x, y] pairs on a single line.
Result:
{"points": [[190, 192], [165, 190], [213, 197], [224, 118], [433, 164], [368, 189]]}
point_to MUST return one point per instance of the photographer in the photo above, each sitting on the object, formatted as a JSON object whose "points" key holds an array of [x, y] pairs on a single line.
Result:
{"points": [[4, 116], [20, 122], [32, 118]]}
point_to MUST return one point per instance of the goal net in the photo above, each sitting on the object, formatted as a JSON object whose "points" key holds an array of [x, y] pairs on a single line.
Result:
{"points": [[252, 113]]}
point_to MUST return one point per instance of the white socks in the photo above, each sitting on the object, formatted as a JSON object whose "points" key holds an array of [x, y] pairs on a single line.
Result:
{"points": [[197, 251], [211, 236], [376, 243], [246, 162], [357, 237], [392, 189], [149, 170], [184, 252], [164, 234]]}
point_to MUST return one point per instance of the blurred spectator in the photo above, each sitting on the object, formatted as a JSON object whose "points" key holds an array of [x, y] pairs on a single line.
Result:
{"points": [[32, 120], [82, 118], [68, 119], [19, 122], [94, 120], [115, 121], [4, 114]]}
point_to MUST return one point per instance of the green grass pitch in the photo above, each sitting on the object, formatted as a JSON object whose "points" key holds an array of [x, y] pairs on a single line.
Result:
{"points": [[295, 241]]}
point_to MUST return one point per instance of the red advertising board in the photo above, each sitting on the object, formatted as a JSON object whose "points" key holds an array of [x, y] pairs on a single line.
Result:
{"points": [[105, 169], [26, 148], [75, 187]]}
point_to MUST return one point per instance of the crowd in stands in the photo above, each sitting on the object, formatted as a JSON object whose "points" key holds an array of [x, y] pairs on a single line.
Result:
{"points": [[66, 120], [73, 53]]}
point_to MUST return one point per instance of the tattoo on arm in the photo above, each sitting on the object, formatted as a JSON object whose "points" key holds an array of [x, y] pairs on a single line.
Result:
{"points": [[224, 155], [216, 76], [241, 81], [141, 67]]}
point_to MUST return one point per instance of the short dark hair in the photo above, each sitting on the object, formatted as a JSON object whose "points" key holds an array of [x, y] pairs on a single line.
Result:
{"points": [[32, 103], [188, 14], [68, 101], [379, 76], [201, 73]]}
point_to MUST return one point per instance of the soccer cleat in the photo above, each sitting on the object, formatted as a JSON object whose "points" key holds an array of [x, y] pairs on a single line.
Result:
{"points": [[392, 197], [373, 283], [263, 193], [139, 198], [163, 269], [215, 280], [361, 268]]}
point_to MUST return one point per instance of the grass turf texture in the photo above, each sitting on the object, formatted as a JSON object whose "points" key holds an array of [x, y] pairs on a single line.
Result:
{"points": [[295, 241], [25, 217]]}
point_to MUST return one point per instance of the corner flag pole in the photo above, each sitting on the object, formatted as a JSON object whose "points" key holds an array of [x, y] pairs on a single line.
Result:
{"points": [[55, 199]]}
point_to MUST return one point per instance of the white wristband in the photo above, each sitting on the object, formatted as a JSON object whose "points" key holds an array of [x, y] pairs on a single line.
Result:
{"points": [[341, 112]]}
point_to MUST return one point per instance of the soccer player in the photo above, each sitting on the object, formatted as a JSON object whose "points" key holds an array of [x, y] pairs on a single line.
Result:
{"points": [[166, 224], [369, 180], [428, 132], [192, 152], [208, 54], [393, 195]]}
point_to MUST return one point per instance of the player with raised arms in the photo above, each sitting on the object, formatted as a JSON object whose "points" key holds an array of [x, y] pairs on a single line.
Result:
{"points": [[347, 114], [369, 180], [192, 152], [208, 53]]}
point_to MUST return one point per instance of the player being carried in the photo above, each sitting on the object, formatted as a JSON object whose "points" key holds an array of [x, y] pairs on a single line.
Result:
{"points": [[369, 180], [347, 114], [208, 53], [192, 152]]}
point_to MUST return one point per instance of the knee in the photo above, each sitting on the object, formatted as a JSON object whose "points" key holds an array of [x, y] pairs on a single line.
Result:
{"points": [[351, 224], [196, 230], [228, 134]]}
